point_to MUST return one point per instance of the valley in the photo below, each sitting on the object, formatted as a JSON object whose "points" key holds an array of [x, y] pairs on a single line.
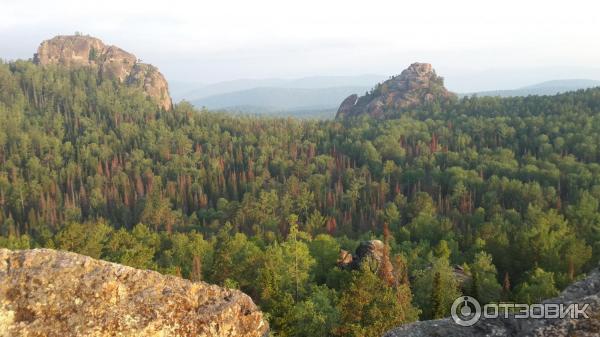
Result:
{"points": [[411, 197]]}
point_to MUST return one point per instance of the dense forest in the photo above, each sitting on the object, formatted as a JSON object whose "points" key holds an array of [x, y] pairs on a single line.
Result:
{"points": [[504, 190]]}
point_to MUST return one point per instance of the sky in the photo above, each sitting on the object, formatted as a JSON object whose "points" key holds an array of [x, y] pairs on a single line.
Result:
{"points": [[475, 45]]}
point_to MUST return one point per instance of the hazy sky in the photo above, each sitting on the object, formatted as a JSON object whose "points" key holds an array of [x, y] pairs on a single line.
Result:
{"points": [[475, 44]]}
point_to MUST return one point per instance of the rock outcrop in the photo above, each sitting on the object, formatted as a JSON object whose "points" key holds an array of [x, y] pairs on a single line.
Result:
{"points": [[416, 85], [112, 63], [367, 251], [584, 291], [51, 293]]}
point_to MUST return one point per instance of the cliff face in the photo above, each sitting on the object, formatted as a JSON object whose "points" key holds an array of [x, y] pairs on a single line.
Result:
{"points": [[416, 85], [584, 291], [50, 293], [112, 63]]}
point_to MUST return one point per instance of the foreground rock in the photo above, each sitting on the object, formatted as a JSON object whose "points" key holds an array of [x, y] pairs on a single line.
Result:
{"points": [[585, 291], [50, 293], [416, 85], [112, 63]]}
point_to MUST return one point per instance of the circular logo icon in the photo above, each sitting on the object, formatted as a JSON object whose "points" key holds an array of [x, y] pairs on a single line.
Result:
{"points": [[466, 311]]}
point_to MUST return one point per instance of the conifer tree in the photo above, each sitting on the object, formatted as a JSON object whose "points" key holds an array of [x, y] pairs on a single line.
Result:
{"points": [[506, 287], [370, 307], [437, 301]]}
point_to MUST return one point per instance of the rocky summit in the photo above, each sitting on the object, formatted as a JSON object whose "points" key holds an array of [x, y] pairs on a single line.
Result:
{"points": [[417, 85], [112, 63], [45, 292], [584, 291]]}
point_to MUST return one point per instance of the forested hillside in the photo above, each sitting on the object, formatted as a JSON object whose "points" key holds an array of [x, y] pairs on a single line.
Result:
{"points": [[506, 188]]}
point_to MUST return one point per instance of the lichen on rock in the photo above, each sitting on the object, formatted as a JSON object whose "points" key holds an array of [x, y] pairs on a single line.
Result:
{"points": [[45, 292]]}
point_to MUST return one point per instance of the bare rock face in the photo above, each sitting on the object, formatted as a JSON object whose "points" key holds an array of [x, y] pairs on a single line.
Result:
{"points": [[367, 251], [347, 105], [416, 85], [112, 63], [51, 293], [584, 291]]}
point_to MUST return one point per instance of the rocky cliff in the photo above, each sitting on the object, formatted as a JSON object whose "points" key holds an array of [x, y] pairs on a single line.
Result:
{"points": [[584, 291], [50, 293], [112, 63], [416, 85]]}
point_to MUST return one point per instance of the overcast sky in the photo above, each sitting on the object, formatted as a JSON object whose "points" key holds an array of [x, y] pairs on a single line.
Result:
{"points": [[476, 45]]}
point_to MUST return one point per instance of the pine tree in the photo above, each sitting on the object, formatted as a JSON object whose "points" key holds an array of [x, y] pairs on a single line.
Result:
{"points": [[437, 302], [506, 287], [369, 307], [196, 269], [435, 289], [484, 282], [475, 286], [401, 270], [386, 270]]}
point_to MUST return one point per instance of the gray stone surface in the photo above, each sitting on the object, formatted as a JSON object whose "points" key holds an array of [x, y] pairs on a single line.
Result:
{"points": [[584, 291]]}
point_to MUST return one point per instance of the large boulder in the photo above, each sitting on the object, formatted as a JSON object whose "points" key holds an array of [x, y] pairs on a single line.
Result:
{"points": [[417, 85], [112, 63], [52, 293], [371, 251]]}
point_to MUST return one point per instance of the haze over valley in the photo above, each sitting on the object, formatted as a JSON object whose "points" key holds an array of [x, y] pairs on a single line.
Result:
{"points": [[319, 97]]}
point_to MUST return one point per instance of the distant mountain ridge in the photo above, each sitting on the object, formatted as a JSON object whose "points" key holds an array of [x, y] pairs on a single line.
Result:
{"points": [[320, 96], [196, 91], [544, 88], [280, 99]]}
